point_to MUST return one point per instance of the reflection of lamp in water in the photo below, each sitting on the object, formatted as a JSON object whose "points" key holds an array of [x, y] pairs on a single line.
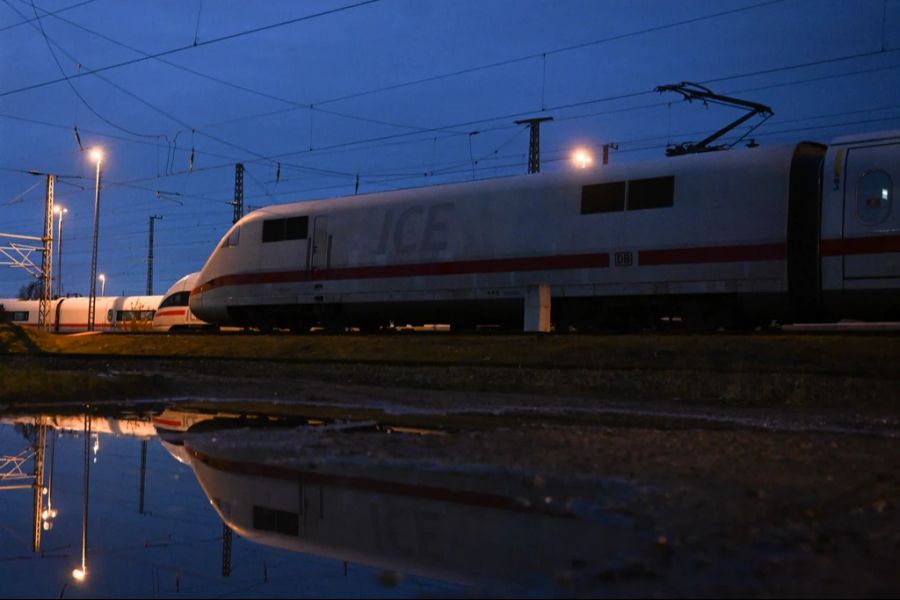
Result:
{"points": [[80, 574], [50, 513]]}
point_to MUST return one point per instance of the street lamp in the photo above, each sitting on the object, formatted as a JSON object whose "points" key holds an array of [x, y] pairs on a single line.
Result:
{"points": [[60, 211], [102, 279], [582, 158], [97, 155]]}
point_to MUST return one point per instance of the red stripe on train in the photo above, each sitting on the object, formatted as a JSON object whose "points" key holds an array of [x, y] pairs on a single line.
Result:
{"points": [[879, 244], [711, 254], [698, 255], [499, 265]]}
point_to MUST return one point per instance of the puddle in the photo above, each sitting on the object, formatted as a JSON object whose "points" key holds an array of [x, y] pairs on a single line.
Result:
{"points": [[221, 503]]}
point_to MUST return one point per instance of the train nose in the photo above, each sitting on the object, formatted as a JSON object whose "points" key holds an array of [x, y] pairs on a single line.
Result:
{"points": [[205, 308], [197, 307]]}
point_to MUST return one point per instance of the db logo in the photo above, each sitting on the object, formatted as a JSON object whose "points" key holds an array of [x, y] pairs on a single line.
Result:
{"points": [[624, 259]]}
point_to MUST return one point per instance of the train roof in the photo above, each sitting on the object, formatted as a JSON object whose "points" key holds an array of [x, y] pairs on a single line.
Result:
{"points": [[598, 174], [185, 284], [872, 136]]}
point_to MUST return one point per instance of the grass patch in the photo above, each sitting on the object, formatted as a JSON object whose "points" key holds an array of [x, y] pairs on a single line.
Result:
{"points": [[22, 384], [851, 355], [770, 369]]}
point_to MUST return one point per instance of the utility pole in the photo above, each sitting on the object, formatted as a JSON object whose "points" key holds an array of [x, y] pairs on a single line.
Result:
{"points": [[61, 211], [47, 258], [534, 142], [238, 202], [150, 256], [92, 299]]}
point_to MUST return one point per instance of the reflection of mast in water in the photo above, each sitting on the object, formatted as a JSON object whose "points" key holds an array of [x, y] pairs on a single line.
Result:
{"points": [[143, 475], [14, 476], [37, 520]]}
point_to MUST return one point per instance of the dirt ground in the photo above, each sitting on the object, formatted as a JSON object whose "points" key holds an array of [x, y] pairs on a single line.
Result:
{"points": [[769, 481]]}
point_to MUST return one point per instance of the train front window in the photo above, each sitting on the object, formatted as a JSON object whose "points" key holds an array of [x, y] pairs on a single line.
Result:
{"points": [[873, 197], [176, 299]]}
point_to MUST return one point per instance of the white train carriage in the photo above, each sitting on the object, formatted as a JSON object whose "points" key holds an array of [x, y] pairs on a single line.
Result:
{"points": [[173, 313], [725, 234], [860, 232], [67, 315]]}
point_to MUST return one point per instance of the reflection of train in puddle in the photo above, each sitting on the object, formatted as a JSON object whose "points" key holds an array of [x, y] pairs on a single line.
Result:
{"points": [[135, 426], [174, 423], [471, 526]]}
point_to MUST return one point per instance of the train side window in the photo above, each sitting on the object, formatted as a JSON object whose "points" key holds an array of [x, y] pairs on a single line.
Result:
{"points": [[296, 228], [273, 230], [873, 197], [656, 192], [19, 315], [134, 315], [603, 197], [277, 521], [278, 230]]}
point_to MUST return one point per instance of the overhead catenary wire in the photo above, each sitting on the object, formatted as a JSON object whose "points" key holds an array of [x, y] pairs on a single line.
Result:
{"points": [[26, 20], [250, 90], [40, 28], [560, 107], [178, 49], [436, 169]]}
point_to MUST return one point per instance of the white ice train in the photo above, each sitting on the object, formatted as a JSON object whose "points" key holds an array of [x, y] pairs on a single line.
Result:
{"points": [[173, 313], [68, 315], [794, 233], [168, 312]]}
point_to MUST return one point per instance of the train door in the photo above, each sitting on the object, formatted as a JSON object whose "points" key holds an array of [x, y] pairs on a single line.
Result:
{"points": [[871, 230], [320, 245]]}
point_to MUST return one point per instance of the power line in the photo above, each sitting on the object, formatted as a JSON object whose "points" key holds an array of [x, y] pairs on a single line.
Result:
{"points": [[321, 150], [150, 105], [40, 28], [549, 52], [295, 104], [560, 107], [26, 21], [171, 51]]}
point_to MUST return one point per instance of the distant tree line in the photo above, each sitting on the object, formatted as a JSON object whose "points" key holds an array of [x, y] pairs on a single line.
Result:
{"points": [[31, 290]]}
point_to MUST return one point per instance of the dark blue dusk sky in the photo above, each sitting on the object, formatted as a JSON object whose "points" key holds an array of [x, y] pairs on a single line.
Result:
{"points": [[391, 91]]}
